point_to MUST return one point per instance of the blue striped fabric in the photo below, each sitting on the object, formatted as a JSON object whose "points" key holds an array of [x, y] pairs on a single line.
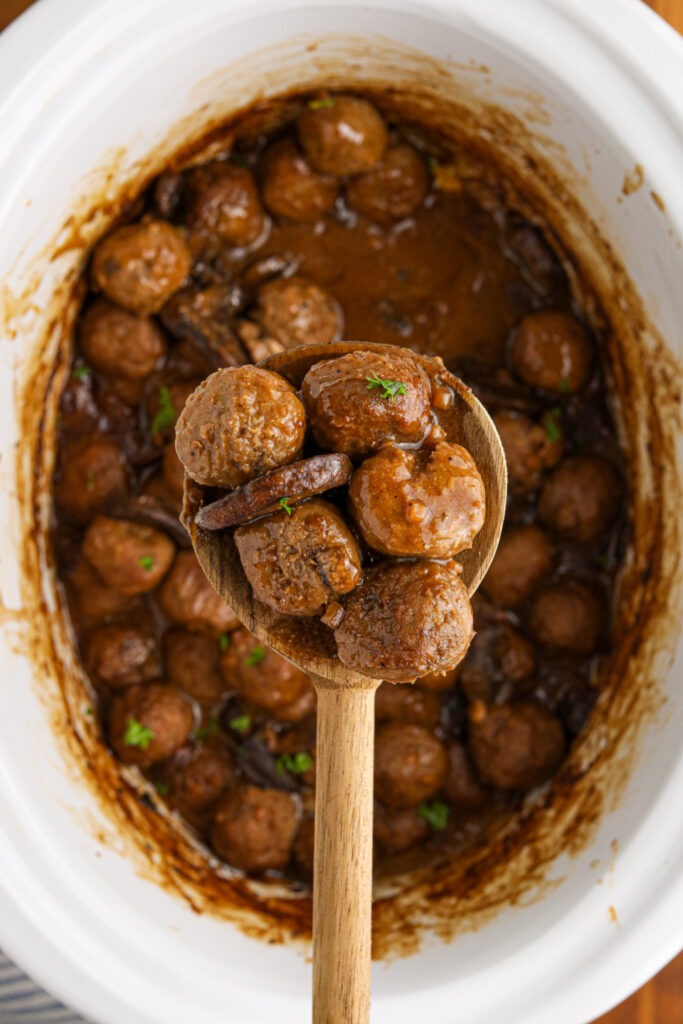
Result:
{"points": [[23, 1002]]}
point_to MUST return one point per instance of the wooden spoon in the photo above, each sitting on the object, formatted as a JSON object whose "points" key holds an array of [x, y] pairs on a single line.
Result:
{"points": [[342, 881]]}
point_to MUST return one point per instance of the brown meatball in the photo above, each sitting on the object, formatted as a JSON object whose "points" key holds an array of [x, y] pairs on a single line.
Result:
{"points": [[428, 503], [299, 561], [499, 656], [198, 776], [297, 312], [291, 188], [90, 600], [174, 471], [552, 351], [581, 499], [407, 704], [410, 764], [240, 422], [260, 675], [530, 447], [164, 405], [187, 597], [253, 829], [139, 266], [398, 831], [438, 681], [222, 200], [193, 663], [524, 556], [393, 189], [148, 723], [405, 620], [568, 616], [517, 746], [348, 414], [304, 847], [120, 655], [129, 557], [342, 135], [462, 787], [117, 342], [92, 475]]}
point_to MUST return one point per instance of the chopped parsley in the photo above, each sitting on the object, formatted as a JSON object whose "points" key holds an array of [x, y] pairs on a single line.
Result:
{"points": [[165, 417], [322, 104], [224, 641], [162, 788], [553, 425], [81, 372], [137, 734], [284, 504], [255, 656], [146, 563], [90, 482], [435, 814], [210, 729], [241, 724], [391, 388], [295, 764], [89, 712]]}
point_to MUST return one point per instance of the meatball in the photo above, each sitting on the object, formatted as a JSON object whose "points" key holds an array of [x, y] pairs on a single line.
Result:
{"points": [[117, 342], [258, 674], [291, 188], [187, 597], [499, 657], [297, 312], [552, 351], [581, 499], [530, 447], [462, 787], [90, 600], [253, 829], [405, 620], [92, 475], [198, 777], [222, 200], [304, 847], [407, 704], [568, 616], [193, 663], [149, 723], [517, 746], [410, 765], [398, 831], [130, 557], [524, 556], [342, 135], [393, 189], [240, 422], [428, 503], [139, 266], [351, 410], [299, 560], [173, 471], [120, 655]]}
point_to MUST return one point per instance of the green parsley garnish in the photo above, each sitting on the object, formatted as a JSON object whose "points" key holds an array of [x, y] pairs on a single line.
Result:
{"points": [[322, 104], [241, 724], [81, 372], [435, 814], [553, 425], [165, 417], [255, 656], [295, 764], [146, 563], [224, 641], [137, 734], [391, 388], [209, 729], [284, 503], [162, 788], [564, 385], [89, 712], [90, 482]]}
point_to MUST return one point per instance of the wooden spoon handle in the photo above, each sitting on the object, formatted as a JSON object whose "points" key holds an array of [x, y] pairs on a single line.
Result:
{"points": [[342, 882]]}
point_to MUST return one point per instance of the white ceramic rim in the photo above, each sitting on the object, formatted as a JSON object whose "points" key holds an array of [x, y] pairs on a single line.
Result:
{"points": [[35, 54]]}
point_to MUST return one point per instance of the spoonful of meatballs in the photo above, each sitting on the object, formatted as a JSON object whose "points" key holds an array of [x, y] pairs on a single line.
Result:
{"points": [[346, 500]]}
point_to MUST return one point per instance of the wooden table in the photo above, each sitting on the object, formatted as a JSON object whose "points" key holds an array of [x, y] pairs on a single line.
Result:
{"points": [[661, 1000]]}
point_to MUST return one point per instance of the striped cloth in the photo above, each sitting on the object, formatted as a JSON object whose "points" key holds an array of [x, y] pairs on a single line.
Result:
{"points": [[23, 1002]]}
